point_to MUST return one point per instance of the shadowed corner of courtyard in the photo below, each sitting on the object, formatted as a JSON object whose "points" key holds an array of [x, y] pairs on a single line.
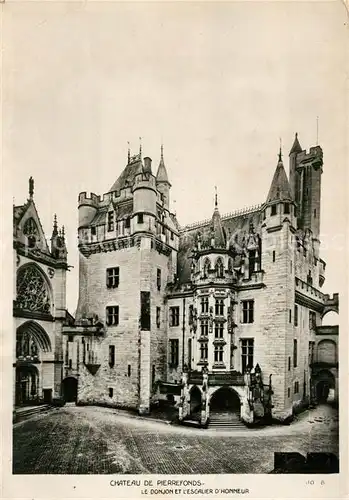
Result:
{"points": [[94, 440]]}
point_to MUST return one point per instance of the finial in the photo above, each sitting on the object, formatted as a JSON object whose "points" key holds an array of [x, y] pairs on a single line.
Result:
{"points": [[162, 152], [215, 197], [128, 152], [140, 147], [280, 152], [31, 187], [317, 130]]}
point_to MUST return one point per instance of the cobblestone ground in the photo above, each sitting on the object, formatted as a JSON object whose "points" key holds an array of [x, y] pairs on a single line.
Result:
{"points": [[92, 440]]}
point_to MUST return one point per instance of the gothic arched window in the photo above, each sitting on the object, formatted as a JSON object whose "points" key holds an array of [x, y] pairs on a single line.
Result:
{"points": [[219, 268], [30, 230], [32, 290], [207, 267]]}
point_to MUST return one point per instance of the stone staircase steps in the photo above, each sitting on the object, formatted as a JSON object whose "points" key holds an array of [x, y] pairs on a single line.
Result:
{"points": [[25, 413], [225, 421]]}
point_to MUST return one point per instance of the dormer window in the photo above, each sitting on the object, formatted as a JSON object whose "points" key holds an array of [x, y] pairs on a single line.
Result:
{"points": [[127, 223], [286, 208], [273, 210], [140, 218], [110, 221]]}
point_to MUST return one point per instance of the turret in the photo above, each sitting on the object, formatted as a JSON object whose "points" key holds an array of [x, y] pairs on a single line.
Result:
{"points": [[218, 236], [162, 182], [87, 206], [144, 198], [58, 245], [279, 203]]}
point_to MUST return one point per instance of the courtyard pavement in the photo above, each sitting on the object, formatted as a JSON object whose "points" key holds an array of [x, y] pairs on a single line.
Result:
{"points": [[95, 440]]}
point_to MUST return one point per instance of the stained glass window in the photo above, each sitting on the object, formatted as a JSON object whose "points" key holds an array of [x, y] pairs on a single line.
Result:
{"points": [[32, 290]]}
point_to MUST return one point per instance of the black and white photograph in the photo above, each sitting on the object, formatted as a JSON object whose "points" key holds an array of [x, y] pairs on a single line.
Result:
{"points": [[176, 265]]}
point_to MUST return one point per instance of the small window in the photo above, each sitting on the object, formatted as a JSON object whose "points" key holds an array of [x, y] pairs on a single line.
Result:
{"points": [[314, 213], [290, 316], [295, 353], [129, 370], [218, 354], [295, 315], [273, 255], [158, 317], [153, 375], [171, 235], [247, 311], [70, 364], [296, 387], [113, 277], [247, 348], [204, 327], [273, 210], [111, 392], [219, 307], [174, 316], [204, 305], [110, 221], [286, 208], [93, 230], [111, 356], [174, 352], [289, 363], [127, 223], [218, 330], [158, 279], [203, 351], [140, 218], [288, 392], [112, 315], [70, 338]]}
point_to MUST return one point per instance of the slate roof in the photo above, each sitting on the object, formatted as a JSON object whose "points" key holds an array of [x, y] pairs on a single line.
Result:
{"points": [[127, 176], [280, 187]]}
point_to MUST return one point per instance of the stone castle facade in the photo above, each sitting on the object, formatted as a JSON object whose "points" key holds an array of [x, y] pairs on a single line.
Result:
{"points": [[225, 314]]}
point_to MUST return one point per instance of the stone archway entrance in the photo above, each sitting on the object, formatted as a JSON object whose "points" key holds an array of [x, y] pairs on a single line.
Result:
{"points": [[225, 400], [27, 385], [70, 389], [325, 383], [195, 401]]}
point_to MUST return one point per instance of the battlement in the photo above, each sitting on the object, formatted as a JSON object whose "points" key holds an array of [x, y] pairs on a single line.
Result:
{"points": [[315, 153], [92, 200], [331, 300], [142, 181]]}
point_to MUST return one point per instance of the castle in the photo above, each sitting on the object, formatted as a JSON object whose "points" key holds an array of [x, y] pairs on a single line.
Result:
{"points": [[225, 314]]}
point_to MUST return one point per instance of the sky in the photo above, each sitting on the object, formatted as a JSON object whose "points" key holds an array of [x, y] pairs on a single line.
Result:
{"points": [[218, 83]]}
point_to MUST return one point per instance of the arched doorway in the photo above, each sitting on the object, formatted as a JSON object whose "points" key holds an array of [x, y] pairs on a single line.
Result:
{"points": [[70, 389], [225, 400], [324, 386], [27, 385], [195, 400]]}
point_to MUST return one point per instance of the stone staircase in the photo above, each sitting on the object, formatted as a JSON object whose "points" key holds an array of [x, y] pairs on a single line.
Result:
{"points": [[26, 412], [225, 420]]}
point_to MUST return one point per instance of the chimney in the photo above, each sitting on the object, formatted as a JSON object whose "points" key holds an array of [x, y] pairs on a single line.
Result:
{"points": [[147, 165]]}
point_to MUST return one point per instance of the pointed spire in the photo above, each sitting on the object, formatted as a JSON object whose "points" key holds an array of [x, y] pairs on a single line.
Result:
{"points": [[217, 228], [296, 148], [280, 152], [140, 147], [31, 187], [216, 198], [280, 188], [161, 175], [128, 152], [55, 229]]}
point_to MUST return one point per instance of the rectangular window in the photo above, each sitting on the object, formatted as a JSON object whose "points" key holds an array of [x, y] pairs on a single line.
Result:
{"points": [[295, 353], [286, 208], [289, 363], [219, 307], [113, 277], [203, 351], [312, 320], [129, 370], [127, 222], [145, 311], [174, 316], [204, 327], [111, 391], [189, 353], [70, 338], [111, 356], [288, 392], [112, 315], [110, 221], [158, 317], [295, 315], [247, 346], [70, 364], [171, 235], [174, 351], [273, 255], [140, 218], [296, 387], [247, 311], [290, 316], [273, 210], [204, 305], [153, 375], [158, 278], [93, 230], [218, 330], [218, 354]]}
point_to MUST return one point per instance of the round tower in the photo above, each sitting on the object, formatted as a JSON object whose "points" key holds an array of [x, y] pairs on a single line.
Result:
{"points": [[144, 198], [87, 207]]}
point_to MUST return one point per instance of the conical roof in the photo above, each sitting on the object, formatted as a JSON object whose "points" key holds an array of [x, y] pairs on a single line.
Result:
{"points": [[280, 188], [296, 148], [217, 228], [161, 175]]}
